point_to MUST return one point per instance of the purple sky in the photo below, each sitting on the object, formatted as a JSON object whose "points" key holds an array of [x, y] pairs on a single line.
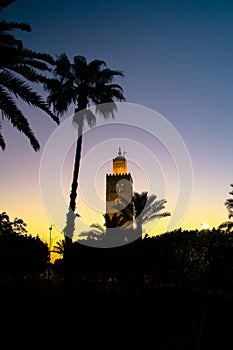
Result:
{"points": [[177, 57]]}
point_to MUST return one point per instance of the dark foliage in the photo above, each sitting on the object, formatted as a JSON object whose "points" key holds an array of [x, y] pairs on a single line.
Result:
{"points": [[178, 258], [21, 255]]}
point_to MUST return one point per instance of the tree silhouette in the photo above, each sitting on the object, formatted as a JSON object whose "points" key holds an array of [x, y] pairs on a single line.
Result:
{"points": [[81, 83], [59, 247], [228, 225], [147, 208], [7, 227], [229, 205], [21, 255], [19, 67]]}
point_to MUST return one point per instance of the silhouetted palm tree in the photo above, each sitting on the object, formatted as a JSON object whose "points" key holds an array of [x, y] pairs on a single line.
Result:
{"points": [[81, 83], [59, 247], [228, 225], [147, 208], [19, 67], [229, 205]]}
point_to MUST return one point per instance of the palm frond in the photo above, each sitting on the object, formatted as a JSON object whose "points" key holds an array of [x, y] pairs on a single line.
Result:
{"points": [[15, 56], [96, 232], [62, 68], [29, 73], [84, 115], [9, 26], [45, 57], [139, 200], [18, 120], [106, 76], [60, 95], [2, 142], [59, 247], [22, 90], [94, 69], [106, 110], [8, 40], [5, 3], [80, 61]]}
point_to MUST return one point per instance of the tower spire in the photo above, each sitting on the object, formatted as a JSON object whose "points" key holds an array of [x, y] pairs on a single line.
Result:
{"points": [[120, 163]]}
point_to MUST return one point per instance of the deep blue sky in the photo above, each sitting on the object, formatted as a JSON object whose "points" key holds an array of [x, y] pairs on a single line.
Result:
{"points": [[177, 57]]}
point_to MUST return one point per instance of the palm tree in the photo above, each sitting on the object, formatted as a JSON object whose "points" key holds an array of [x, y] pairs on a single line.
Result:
{"points": [[19, 67], [59, 247], [229, 205], [81, 83], [147, 208], [228, 225]]}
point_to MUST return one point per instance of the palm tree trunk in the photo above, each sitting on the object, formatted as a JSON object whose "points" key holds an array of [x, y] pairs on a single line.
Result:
{"points": [[70, 217], [74, 186]]}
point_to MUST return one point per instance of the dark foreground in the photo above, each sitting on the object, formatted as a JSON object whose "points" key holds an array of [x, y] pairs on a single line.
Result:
{"points": [[42, 317]]}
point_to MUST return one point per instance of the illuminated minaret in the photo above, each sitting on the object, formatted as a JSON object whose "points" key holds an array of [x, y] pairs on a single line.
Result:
{"points": [[119, 192]]}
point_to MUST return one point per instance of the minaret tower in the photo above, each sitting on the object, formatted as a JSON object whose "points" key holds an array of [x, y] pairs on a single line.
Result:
{"points": [[119, 193]]}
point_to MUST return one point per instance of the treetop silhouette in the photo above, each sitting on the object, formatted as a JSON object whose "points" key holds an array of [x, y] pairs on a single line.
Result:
{"points": [[19, 68]]}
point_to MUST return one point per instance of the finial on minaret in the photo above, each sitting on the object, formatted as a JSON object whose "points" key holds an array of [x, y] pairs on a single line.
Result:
{"points": [[119, 152]]}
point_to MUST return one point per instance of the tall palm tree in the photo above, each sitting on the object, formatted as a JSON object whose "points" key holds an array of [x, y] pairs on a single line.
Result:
{"points": [[80, 83], [19, 67]]}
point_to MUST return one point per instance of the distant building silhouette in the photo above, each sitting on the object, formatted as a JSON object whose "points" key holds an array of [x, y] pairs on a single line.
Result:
{"points": [[119, 194]]}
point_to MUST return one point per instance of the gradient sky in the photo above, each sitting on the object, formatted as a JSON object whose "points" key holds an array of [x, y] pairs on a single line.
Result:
{"points": [[177, 57]]}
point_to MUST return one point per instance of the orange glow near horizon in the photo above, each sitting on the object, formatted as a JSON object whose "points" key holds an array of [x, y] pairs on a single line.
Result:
{"points": [[38, 221]]}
